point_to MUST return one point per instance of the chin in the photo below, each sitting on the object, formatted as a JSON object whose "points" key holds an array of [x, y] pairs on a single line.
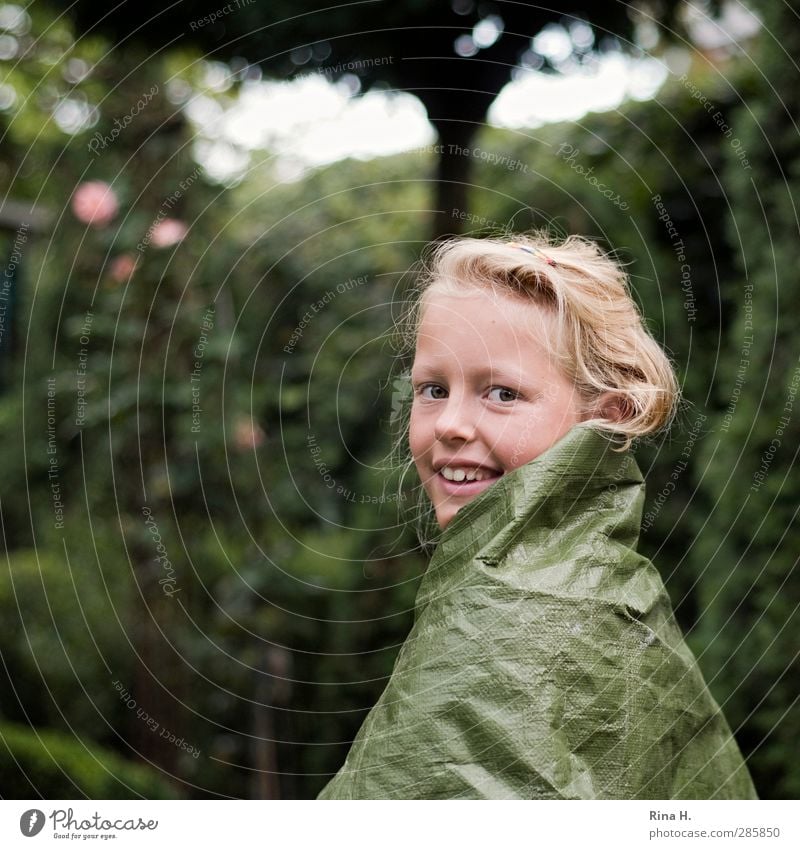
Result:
{"points": [[444, 518]]}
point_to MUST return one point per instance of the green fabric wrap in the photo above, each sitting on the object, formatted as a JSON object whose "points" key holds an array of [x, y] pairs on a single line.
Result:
{"points": [[545, 661]]}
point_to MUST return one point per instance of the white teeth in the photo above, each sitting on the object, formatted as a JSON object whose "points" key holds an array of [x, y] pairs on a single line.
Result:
{"points": [[458, 475]]}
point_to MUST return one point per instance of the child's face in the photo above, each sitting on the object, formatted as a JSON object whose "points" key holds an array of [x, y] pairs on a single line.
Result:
{"points": [[487, 394]]}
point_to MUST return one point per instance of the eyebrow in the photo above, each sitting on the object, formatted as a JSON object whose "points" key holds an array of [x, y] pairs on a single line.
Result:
{"points": [[484, 373]]}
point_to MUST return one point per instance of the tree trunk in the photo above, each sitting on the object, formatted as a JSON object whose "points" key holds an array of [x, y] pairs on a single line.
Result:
{"points": [[452, 178]]}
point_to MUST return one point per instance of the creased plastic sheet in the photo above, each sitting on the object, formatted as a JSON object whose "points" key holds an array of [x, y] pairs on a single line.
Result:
{"points": [[545, 661]]}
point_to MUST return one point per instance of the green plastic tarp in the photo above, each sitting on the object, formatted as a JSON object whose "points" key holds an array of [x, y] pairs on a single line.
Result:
{"points": [[545, 661]]}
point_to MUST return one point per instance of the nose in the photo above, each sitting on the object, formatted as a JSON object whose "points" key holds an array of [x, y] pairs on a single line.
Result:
{"points": [[456, 421]]}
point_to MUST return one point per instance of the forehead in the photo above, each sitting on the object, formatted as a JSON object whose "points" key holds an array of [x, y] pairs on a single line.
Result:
{"points": [[482, 328], [494, 316]]}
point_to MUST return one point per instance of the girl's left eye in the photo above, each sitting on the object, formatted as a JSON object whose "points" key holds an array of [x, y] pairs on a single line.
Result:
{"points": [[503, 394]]}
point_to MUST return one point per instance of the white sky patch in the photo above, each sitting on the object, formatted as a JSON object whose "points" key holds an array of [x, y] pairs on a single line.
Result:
{"points": [[735, 23], [306, 123], [535, 98], [311, 122]]}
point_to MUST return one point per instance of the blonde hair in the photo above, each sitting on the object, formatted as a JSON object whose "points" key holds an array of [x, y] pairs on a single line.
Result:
{"points": [[601, 341]]}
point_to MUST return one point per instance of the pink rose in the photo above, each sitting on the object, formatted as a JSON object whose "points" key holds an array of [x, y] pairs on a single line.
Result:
{"points": [[122, 267], [246, 434], [94, 203], [168, 232]]}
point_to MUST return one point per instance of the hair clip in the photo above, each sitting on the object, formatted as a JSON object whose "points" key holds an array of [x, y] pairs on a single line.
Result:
{"points": [[533, 252]]}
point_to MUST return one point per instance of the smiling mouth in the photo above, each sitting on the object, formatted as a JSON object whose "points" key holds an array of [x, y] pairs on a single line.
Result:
{"points": [[467, 487]]}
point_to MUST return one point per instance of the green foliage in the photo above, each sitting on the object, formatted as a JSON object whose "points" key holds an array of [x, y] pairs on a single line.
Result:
{"points": [[749, 593], [62, 636], [288, 593], [47, 765], [294, 571]]}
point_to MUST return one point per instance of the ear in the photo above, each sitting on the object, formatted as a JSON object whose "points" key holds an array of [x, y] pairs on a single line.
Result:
{"points": [[611, 406]]}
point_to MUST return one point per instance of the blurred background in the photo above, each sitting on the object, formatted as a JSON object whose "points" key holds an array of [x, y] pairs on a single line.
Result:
{"points": [[208, 217]]}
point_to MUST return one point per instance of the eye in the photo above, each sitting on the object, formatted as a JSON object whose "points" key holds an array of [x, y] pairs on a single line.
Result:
{"points": [[503, 394], [433, 388]]}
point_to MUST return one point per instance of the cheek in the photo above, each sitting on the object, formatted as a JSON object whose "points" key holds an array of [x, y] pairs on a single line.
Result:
{"points": [[527, 435], [417, 438]]}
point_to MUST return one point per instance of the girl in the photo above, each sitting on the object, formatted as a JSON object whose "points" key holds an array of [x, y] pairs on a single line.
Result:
{"points": [[544, 661]]}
